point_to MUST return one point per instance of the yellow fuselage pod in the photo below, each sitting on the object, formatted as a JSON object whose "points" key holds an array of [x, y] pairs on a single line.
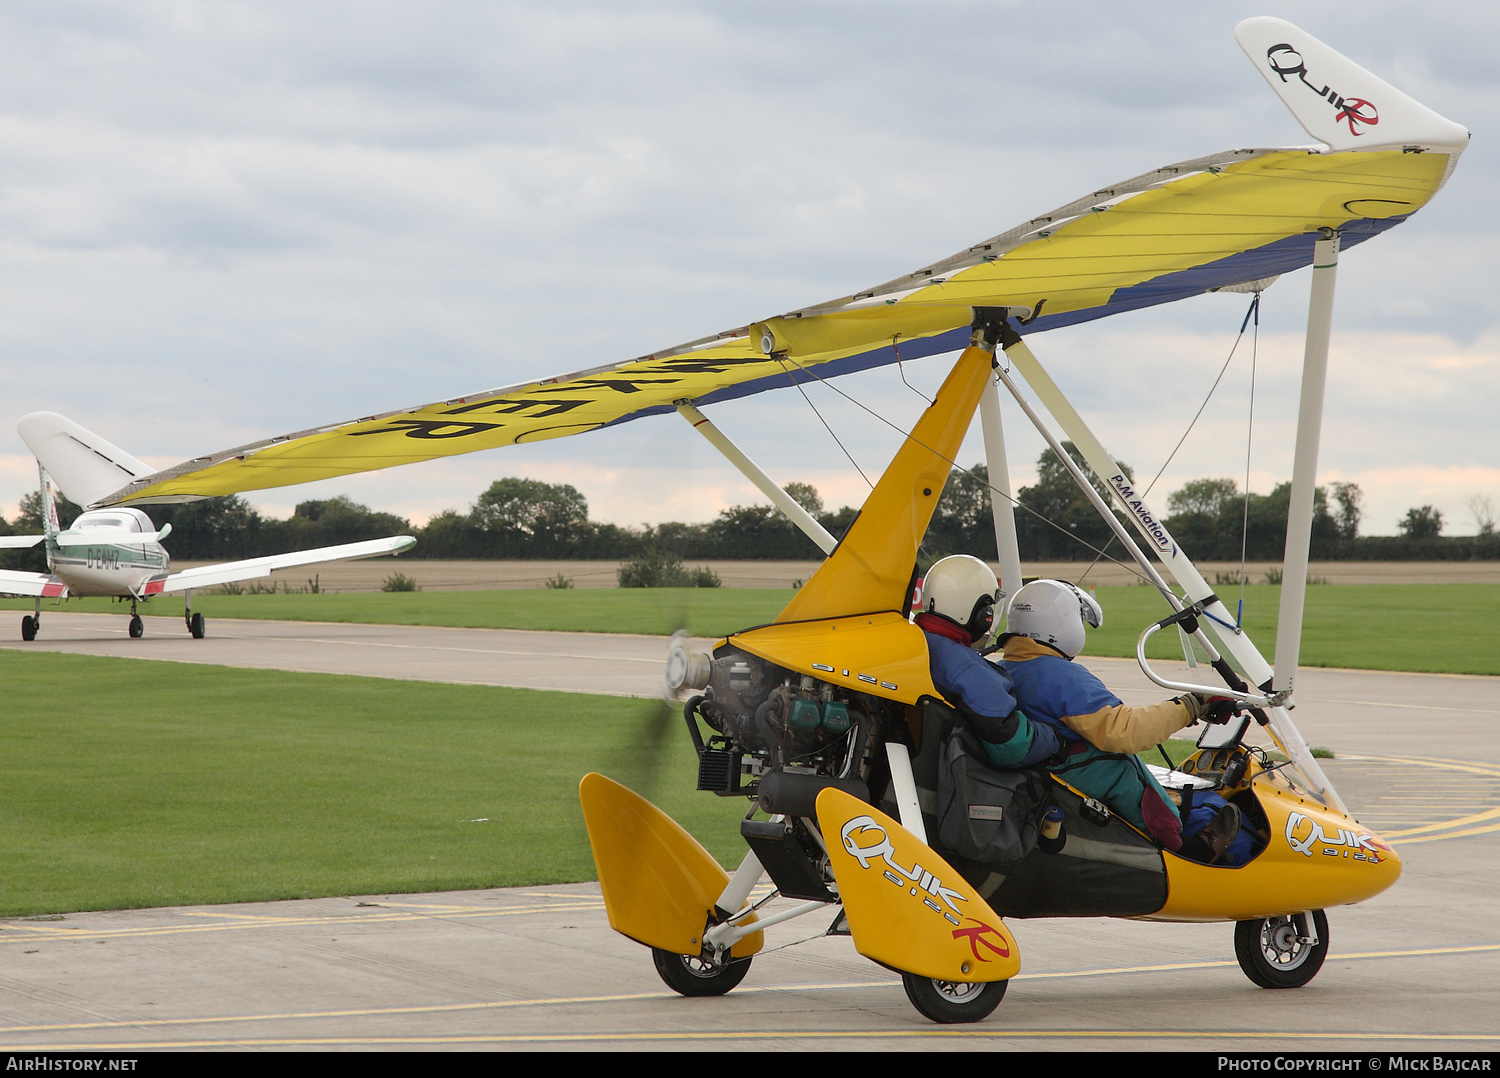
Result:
{"points": [[908, 908], [1316, 858], [659, 885], [879, 654]]}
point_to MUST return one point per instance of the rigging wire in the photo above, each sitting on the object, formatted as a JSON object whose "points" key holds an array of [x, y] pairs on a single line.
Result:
{"points": [[1252, 312], [823, 421], [971, 472], [1249, 438], [901, 370]]}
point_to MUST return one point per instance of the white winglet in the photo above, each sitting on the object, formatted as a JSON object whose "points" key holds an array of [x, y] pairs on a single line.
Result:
{"points": [[85, 466], [1338, 102]]}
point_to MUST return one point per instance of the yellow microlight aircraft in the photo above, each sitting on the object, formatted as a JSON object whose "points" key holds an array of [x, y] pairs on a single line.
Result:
{"points": [[827, 718]]}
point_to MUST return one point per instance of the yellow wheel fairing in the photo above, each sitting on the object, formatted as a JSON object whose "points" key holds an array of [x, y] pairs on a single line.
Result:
{"points": [[659, 885], [908, 908], [1175, 232], [1316, 859]]}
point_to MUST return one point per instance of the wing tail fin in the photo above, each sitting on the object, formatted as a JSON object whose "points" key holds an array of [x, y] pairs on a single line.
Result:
{"points": [[85, 466], [1338, 102]]}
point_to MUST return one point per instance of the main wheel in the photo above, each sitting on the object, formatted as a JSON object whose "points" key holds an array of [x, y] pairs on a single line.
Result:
{"points": [[195, 626], [953, 1001], [137, 627], [692, 976], [1276, 952], [28, 628]]}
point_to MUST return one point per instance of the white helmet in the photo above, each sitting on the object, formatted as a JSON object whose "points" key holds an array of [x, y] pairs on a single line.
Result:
{"points": [[1053, 612], [964, 590]]}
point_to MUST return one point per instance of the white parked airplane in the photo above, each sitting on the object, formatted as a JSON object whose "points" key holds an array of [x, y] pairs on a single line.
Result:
{"points": [[118, 552]]}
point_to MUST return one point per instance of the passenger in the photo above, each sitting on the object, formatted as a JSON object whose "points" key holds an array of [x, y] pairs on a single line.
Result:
{"points": [[1046, 632], [958, 611]]}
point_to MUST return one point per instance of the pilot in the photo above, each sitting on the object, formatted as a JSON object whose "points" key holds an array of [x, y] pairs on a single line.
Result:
{"points": [[958, 610], [1045, 634]]}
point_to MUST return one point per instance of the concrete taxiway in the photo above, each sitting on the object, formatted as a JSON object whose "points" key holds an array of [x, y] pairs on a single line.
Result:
{"points": [[1416, 969]]}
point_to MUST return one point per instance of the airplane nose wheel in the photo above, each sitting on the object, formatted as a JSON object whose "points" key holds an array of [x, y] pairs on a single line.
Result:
{"points": [[690, 975], [1279, 952], [953, 1001], [137, 627]]}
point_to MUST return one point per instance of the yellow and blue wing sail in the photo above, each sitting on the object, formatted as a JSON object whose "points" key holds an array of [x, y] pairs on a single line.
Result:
{"points": [[1175, 232]]}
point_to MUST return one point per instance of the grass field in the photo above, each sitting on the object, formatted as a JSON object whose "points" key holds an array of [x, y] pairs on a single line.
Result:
{"points": [[1438, 628], [161, 784], [134, 784]]}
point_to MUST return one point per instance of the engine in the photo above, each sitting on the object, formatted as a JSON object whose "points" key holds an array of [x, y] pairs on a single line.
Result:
{"points": [[771, 727]]}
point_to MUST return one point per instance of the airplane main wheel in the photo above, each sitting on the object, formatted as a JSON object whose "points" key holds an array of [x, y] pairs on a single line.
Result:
{"points": [[137, 627], [1276, 953], [953, 1001], [692, 976], [28, 628], [195, 626]]}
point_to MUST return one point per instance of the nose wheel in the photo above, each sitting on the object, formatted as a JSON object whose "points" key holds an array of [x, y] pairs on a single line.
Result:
{"points": [[953, 1001], [1281, 952], [137, 627]]}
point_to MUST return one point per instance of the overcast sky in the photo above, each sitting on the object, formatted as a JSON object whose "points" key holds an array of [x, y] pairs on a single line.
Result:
{"points": [[221, 222]]}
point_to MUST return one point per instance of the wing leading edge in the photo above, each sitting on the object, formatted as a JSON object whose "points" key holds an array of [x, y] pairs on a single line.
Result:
{"points": [[206, 576]]}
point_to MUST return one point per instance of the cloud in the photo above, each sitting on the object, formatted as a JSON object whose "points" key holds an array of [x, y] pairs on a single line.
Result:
{"points": [[219, 223]]}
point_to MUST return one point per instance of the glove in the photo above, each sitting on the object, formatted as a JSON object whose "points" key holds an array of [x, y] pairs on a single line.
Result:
{"points": [[1211, 709]]}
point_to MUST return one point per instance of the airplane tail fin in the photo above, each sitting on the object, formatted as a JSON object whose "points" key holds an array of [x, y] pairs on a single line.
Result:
{"points": [[50, 524], [85, 466]]}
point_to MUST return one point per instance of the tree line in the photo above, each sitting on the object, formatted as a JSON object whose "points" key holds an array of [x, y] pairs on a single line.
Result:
{"points": [[528, 519], [1212, 518]]}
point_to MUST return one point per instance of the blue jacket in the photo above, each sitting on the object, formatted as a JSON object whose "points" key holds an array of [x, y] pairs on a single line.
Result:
{"points": [[1062, 695], [982, 693]]}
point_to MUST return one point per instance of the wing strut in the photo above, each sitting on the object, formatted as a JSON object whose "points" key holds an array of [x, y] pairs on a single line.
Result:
{"points": [[1196, 590], [1305, 462], [780, 498], [1002, 505]]}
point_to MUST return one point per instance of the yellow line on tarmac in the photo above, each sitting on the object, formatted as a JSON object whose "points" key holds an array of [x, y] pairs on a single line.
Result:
{"points": [[1478, 817], [234, 922], [786, 1035], [1454, 834], [1415, 707], [369, 1012], [1470, 766], [1170, 967], [559, 1001], [1434, 832]]}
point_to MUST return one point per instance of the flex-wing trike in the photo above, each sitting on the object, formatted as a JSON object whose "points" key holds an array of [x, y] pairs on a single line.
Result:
{"points": [[827, 718], [829, 722]]}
